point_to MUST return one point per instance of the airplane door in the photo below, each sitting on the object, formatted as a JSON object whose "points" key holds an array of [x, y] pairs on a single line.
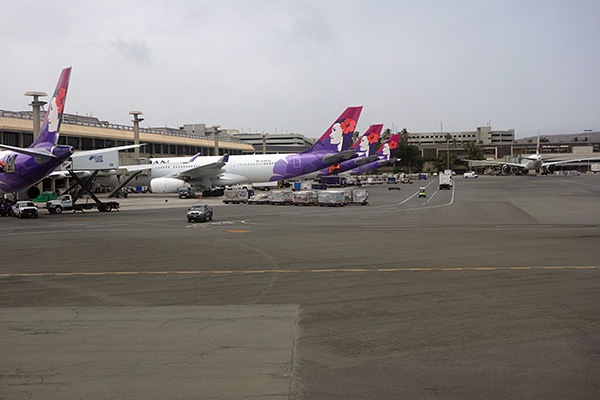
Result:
{"points": [[297, 162]]}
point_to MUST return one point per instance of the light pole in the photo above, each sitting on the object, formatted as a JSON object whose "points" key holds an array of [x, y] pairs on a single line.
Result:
{"points": [[448, 151], [216, 132], [592, 149], [136, 133], [36, 104]]}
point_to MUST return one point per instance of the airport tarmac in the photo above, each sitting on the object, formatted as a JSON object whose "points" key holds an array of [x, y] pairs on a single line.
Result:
{"points": [[487, 291]]}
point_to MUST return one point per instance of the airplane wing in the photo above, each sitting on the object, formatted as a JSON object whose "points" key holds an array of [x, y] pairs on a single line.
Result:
{"points": [[106, 150], [28, 151], [37, 153], [572, 161], [211, 169], [495, 163]]}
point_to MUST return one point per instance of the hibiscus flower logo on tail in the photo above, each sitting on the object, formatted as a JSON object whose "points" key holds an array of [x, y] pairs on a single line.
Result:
{"points": [[373, 137], [348, 125], [60, 100]]}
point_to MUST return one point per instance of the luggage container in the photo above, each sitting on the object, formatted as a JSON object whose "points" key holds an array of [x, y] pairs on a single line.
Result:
{"points": [[260, 198], [235, 196], [360, 197], [332, 198], [282, 197], [306, 198]]}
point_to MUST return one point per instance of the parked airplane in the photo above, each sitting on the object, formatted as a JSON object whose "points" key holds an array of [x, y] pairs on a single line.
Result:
{"points": [[532, 162], [366, 148], [386, 155], [22, 168], [168, 174]]}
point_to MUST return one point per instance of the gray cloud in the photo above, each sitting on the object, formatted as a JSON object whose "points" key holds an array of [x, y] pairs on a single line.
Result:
{"points": [[290, 65]]}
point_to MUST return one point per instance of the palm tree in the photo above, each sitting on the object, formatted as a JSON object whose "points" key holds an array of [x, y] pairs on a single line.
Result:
{"points": [[383, 137], [473, 151]]}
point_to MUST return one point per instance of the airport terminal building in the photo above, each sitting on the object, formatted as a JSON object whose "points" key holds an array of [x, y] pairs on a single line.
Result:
{"points": [[90, 133], [482, 135]]}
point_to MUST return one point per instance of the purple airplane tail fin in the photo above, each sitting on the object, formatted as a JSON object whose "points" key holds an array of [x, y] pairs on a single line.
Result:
{"points": [[49, 131], [339, 135], [388, 150], [368, 141]]}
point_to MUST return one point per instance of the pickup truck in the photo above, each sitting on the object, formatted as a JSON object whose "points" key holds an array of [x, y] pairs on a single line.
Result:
{"points": [[65, 202], [187, 192], [24, 209]]}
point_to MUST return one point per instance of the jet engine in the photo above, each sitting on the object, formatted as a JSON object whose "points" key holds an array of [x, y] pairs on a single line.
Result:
{"points": [[33, 192], [25, 194], [506, 169], [166, 185], [548, 169]]}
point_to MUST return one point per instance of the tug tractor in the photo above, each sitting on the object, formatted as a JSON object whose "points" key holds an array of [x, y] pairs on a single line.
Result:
{"points": [[422, 192]]}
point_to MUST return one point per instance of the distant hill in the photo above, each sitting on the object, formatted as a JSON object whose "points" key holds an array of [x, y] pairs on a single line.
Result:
{"points": [[565, 138]]}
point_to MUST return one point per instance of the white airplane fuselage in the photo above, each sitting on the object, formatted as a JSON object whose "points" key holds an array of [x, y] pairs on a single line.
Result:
{"points": [[166, 174], [532, 162]]}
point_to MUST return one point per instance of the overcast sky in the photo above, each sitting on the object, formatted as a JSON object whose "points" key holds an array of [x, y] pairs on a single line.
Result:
{"points": [[296, 65]]}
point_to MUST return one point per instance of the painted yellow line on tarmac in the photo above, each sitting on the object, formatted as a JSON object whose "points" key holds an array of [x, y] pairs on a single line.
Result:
{"points": [[296, 271]]}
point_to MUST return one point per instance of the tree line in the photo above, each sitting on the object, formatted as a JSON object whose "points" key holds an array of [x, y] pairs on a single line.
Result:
{"points": [[410, 155]]}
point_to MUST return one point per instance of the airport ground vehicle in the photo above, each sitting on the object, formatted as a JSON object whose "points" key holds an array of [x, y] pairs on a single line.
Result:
{"points": [[45, 196], [187, 192], [66, 202], [5, 206], [332, 198], [470, 174], [137, 189], [305, 198], [200, 212], [270, 185], [445, 180], [333, 181], [24, 209], [422, 192]]}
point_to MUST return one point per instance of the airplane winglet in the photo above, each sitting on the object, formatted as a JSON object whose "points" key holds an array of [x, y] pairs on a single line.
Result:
{"points": [[222, 161], [195, 156]]}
